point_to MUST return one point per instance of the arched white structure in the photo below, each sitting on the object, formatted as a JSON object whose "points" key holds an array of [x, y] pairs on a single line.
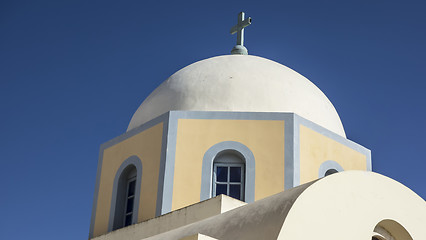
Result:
{"points": [[347, 205]]}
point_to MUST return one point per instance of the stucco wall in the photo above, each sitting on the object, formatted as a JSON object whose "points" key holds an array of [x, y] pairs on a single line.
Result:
{"points": [[265, 138], [176, 219], [316, 148], [350, 204], [346, 205], [285, 150], [146, 146]]}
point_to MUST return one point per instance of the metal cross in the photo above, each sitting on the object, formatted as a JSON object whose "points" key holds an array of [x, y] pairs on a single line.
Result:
{"points": [[239, 29]]}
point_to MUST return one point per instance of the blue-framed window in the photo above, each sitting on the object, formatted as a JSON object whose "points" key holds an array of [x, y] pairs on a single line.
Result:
{"points": [[125, 198], [130, 200]]}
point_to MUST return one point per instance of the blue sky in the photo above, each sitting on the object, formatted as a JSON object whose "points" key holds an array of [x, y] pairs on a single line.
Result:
{"points": [[72, 73]]}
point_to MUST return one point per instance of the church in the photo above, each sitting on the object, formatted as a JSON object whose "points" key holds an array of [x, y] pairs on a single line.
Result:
{"points": [[242, 147]]}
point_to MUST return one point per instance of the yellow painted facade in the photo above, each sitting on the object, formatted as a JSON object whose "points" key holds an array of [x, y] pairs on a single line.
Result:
{"points": [[146, 146], [316, 148], [194, 137], [265, 138]]}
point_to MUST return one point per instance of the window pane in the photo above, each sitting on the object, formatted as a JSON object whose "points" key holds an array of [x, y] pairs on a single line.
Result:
{"points": [[128, 220], [235, 191], [330, 171], [222, 174], [235, 174], [131, 190], [129, 205], [220, 189]]}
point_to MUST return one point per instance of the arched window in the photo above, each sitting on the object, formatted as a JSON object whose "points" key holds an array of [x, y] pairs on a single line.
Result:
{"points": [[390, 230], [125, 195], [330, 171], [125, 198], [228, 175], [329, 167], [228, 168]]}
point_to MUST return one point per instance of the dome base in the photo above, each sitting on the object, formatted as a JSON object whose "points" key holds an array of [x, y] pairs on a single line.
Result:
{"points": [[240, 50]]}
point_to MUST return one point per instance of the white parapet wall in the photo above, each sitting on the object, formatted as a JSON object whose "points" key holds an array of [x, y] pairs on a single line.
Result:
{"points": [[181, 217]]}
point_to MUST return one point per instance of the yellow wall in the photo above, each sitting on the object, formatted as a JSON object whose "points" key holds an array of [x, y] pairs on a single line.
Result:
{"points": [[265, 138], [316, 148], [145, 145]]}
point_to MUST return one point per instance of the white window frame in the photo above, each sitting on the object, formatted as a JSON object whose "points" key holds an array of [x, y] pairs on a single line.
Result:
{"points": [[228, 182]]}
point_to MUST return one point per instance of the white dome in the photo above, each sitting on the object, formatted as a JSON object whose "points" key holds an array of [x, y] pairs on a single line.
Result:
{"points": [[239, 83]]}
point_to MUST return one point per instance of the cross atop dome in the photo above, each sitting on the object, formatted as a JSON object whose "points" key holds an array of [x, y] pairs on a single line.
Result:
{"points": [[239, 29]]}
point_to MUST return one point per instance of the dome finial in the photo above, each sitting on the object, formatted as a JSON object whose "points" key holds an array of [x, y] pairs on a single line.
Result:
{"points": [[239, 29]]}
